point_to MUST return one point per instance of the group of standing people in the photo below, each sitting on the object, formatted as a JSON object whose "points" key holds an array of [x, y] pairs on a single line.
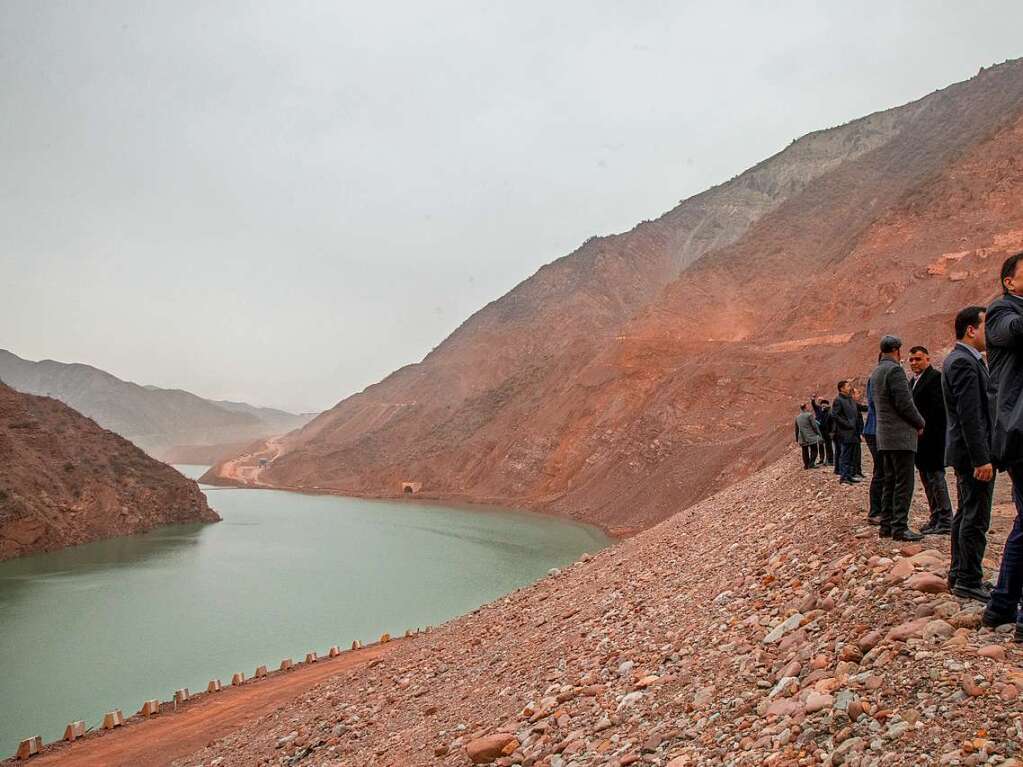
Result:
{"points": [[968, 416]]}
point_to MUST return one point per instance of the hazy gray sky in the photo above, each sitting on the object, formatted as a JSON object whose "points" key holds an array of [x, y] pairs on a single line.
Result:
{"points": [[282, 202]]}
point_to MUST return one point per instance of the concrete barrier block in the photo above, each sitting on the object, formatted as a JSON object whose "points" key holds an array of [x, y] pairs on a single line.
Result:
{"points": [[334, 651], [287, 664], [74, 730], [180, 696], [237, 679], [113, 719], [214, 686], [385, 638], [29, 747], [310, 657], [150, 708], [261, 672]]}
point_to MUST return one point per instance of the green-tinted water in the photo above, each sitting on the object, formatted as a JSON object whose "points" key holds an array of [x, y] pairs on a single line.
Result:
{"points": [[110, 624]]}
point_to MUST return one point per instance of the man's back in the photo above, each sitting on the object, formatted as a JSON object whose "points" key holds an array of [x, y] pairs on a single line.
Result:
{"points": [[1004, 334], [897, 417]]}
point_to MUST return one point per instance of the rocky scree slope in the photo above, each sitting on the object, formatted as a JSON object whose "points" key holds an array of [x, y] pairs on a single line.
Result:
{"points": [[764, 625], [170, 424], [650, 368], [64, 480]]}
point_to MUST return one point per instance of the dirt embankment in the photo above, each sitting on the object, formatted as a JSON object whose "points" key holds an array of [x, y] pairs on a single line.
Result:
{"points": [[764, 625]]}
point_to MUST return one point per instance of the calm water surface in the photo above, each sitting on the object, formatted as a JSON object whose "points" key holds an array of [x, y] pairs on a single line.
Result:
{"points": [[110, 624]]}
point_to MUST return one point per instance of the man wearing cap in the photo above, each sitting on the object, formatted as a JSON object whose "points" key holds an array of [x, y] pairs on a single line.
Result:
{"points": [[899, 424]]}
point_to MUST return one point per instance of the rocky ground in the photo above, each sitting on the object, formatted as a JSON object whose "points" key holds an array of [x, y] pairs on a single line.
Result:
{"points": [[764, 625]]}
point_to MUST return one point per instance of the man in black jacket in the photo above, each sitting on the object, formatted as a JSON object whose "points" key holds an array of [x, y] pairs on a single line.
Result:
{"points": [[845, 415], [899, 424], [968, 451], [1004, 335], [930, 450]]}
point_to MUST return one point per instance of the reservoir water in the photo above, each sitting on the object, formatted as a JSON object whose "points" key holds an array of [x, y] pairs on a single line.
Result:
{"points": [[110, 624]]}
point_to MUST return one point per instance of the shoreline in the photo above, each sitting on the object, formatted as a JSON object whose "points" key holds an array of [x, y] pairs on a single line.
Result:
{"points": [[180, 729], [614, 534]]}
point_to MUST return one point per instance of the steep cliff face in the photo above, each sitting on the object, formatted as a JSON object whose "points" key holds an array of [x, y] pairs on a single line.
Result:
{"points": [[645, 369], [64, 481], [171, 424]]}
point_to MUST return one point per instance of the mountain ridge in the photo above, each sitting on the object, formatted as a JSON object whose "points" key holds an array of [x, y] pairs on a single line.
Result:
{"points": [[565, 393], [167, 423]]}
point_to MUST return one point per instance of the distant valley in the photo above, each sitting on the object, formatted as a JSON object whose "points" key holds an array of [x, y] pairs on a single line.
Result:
{"points": [[170, 424]]}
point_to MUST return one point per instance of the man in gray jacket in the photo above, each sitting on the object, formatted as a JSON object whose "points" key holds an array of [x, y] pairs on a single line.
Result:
{"points": [[808, 435], [899, 424]]}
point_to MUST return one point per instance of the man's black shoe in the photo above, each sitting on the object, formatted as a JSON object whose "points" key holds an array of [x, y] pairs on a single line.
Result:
{"points": [[1018, 634], [859, 476], [994, 620], [873, 520], [940, 530], [846, 482], [978, 593], [884, 533], [907, 535]]}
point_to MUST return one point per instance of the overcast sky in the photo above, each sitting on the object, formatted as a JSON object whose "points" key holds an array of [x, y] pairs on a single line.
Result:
{"points": [[281, 202]]}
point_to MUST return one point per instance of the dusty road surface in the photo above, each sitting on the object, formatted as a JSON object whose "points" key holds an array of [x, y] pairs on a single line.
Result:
{"points": [[159, 741]]}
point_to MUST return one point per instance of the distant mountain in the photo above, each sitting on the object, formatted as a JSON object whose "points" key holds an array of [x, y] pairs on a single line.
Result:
{"points": [[648, 369], [169, 424], [64, 480]]}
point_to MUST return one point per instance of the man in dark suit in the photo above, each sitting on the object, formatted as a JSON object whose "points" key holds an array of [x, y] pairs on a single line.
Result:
{"points": [[968, 452], [930, 450], [899, 424], [845, 414], [1003, 332]]}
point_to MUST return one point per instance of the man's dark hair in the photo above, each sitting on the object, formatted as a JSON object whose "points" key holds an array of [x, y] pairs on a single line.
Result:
{"points": [[823, 402], [802, 406], [890, 344], [916, 349], [1009, 269], [968, 318], [842, 383]]}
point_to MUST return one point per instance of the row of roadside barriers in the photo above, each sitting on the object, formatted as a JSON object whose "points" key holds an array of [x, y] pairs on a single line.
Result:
{"points": [[113, 719]]}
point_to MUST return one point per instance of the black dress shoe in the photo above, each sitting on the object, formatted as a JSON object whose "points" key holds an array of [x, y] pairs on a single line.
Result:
{"points": [[907, 535], [940, 530], [846, 482], [859, 476], [994, 620], [873, 520], [884, 533], [979, 593]]}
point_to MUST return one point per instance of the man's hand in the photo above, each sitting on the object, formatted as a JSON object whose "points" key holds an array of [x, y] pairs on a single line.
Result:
{"points": [[919, 432], [984, 473]]}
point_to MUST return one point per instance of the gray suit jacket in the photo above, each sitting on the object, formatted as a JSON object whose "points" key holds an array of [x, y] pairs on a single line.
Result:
{"points": [[897, 416], [807, 431]]}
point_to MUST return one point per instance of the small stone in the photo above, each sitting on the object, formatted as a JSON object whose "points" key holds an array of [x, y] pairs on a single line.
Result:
{"points": [[927, 583], [775, 635], [489, 748], [992, 651]]}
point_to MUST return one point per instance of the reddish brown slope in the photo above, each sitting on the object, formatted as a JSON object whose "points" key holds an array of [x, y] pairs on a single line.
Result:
{"points": [[610, 388], [64, 480]]}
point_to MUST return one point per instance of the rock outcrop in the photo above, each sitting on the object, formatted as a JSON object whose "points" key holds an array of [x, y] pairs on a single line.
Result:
{"points": [[761, 626], [649, 369], [170, 424], [64, 480]]}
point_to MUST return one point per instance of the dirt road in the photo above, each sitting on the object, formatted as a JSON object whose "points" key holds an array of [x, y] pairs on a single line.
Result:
{"points": [[158, 741]]}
